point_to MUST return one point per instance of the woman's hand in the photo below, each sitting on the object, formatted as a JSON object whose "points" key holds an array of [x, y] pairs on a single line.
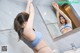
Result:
{"points": [[55, 5]]}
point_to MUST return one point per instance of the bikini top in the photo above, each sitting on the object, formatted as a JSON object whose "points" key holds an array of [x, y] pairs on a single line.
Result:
{"points": [[34, 43], [65, 26]]}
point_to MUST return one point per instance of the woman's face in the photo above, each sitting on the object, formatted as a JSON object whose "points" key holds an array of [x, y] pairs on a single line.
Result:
{"points": [[62, 20]]}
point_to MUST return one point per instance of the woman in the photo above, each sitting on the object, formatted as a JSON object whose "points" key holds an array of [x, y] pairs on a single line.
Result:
{"points": [[64, 22], [23, 25]]}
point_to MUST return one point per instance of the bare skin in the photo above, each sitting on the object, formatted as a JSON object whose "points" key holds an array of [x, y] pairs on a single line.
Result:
{"points": [[42, 47], [65, 30]]}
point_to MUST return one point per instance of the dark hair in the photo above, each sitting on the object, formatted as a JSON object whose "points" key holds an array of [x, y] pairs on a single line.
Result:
{"points": [[63, 18], [18, 22]]}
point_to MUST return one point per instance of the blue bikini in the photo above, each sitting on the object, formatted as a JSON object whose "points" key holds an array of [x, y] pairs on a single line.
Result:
{"points": [[65, 26], [34, 43], [37, 40]]}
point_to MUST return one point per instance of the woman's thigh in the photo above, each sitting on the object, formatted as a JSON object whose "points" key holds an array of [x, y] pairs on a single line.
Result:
{"points": [[45, 50]]}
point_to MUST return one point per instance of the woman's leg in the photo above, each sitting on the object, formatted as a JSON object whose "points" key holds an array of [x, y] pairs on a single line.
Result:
{"points": [[43, 48]]}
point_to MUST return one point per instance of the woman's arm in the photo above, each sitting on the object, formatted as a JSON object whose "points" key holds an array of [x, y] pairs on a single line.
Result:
{"points": [[31, 16], [55, 5], [57, 12], [65, 16], [27, 8], [28, 30], [57, 15]]}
